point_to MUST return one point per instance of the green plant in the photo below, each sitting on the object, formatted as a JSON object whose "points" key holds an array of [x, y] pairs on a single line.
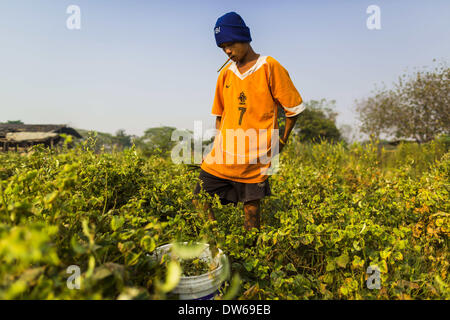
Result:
{"points": [[335, 211]]}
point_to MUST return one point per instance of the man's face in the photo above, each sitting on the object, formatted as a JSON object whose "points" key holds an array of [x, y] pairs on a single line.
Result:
{"points": [[235, 50]]}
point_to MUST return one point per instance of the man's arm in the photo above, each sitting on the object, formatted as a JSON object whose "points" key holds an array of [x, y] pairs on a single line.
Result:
{"points": [[218, 120], [290, 123]]}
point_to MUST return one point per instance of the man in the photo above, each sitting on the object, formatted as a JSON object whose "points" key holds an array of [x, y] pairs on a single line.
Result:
{"points": [[248, 92]]}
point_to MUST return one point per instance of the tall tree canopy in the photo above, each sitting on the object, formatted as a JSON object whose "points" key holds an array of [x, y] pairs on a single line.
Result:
{"points": [[418, 107]]}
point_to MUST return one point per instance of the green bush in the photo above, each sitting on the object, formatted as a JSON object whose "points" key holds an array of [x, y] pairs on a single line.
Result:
{"points": [[335, 211]]}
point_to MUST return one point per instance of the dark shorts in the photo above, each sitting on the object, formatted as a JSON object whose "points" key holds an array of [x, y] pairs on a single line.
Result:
{"points": [[232, 191]]}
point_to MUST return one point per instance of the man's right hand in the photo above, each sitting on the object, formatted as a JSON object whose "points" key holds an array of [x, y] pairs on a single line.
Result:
{"points": [[218, 120]]}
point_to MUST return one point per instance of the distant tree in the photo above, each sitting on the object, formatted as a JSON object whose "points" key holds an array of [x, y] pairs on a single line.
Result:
{"points": [[156, 141], [375, 113], [14, 122], [108, 141], [418, 107], [103, 141], [123, 139], [348, 133], [318, 122]]}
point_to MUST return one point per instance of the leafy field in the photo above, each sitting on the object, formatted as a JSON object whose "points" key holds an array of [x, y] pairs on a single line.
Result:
{"points": [[334, 212]]}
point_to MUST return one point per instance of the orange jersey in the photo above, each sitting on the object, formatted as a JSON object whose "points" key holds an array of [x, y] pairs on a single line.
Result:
{"points": [[248, 105]]}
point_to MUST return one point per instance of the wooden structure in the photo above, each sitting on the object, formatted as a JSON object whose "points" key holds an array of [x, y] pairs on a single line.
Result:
{"points": [[23, 136]]}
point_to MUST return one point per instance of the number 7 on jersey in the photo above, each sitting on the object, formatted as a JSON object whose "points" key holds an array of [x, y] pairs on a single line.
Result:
{"points": [[243, 109]]}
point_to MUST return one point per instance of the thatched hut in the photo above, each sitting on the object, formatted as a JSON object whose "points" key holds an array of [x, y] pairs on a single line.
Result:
{"points": [[24, 136]]}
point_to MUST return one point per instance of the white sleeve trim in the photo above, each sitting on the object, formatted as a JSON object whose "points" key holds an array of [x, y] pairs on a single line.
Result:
{"points": [[296, 110], [217, 115]]}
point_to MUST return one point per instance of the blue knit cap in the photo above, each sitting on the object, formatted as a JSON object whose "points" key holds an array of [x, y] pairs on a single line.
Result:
{"points": [[231, 28]]}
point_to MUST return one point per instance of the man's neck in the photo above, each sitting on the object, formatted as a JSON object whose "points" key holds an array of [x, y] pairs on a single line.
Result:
{"points": [[249, 57]]}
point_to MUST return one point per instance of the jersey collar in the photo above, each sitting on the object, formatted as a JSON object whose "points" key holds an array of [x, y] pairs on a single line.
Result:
{"points": [[261, 60]]}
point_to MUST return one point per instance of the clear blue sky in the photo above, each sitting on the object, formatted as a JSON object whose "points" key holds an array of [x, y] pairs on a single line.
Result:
{"points": [[139, 64]]}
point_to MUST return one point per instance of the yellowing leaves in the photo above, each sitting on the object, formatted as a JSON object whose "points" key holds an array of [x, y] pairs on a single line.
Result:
{"points": [[51, 197], [357, 262], [342, 260], [126, 247], [350, 285], [172, 278], [117, 222], [148, 243], [133, 293], [188, 251], [398, 256], [385, 254]]}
